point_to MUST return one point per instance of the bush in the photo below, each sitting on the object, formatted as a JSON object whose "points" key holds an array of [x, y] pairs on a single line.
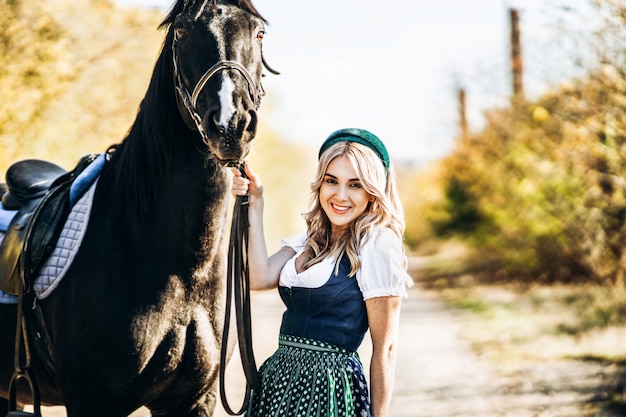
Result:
{"points": [[543, 185]]}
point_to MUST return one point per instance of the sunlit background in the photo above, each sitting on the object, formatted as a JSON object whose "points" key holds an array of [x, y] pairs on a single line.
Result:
{"points": [[515, 200], [394, 68]]}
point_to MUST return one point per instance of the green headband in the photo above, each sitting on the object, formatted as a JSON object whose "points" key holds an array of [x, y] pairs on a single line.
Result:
{"points": [[359, 136]]}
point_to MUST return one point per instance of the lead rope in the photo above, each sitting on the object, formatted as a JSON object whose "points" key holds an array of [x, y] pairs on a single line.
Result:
{"points": [[238, 276]]}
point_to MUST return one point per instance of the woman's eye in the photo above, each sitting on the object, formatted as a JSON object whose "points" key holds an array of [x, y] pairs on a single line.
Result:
{"points": [[355, 185]]}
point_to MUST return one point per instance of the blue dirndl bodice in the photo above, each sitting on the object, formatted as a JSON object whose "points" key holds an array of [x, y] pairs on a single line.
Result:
{"points": [[333, 313]]}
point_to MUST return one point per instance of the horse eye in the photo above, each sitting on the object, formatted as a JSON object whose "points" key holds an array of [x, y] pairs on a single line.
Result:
{"points": [[180, 33], [259, 36]]}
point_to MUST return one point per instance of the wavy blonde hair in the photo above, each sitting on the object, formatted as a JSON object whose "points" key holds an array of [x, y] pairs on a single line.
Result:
{"points": [[384, 211]]}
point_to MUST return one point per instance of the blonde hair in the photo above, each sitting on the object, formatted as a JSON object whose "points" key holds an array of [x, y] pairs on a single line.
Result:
{"points": [[384, 211]]}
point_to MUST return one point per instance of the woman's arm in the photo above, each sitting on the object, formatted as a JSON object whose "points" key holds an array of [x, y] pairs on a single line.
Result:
{"points": [[383, 314], [264, 270]]}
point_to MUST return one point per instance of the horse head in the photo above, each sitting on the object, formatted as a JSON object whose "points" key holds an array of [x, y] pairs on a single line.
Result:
{"points": [[218, 64]]}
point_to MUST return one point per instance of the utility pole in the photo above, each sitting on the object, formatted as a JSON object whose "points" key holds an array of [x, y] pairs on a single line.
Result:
{"points": [[517, 66], [462, 113]]}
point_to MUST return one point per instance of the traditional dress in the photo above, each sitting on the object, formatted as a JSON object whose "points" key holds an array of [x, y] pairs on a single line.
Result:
{"points": [[316, 371]]}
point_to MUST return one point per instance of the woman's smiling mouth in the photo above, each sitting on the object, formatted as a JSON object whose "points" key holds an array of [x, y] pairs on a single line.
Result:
{"points": [[339, 209]]}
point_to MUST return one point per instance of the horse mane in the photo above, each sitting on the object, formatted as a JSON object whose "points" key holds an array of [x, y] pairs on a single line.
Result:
{"points": [[153, 125], [182, 5]]}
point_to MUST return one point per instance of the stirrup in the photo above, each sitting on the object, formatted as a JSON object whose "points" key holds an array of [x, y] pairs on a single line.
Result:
{"points": [[26, 375], [22, 371]]}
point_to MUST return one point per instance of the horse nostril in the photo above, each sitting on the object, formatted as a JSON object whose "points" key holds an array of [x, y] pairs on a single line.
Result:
{"points": [[215, 121]]}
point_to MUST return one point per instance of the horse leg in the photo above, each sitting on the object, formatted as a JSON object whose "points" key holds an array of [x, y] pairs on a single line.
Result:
{"points": [[204, 407]]}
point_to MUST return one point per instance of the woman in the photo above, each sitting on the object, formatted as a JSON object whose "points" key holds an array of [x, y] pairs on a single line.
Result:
{"points": [[345, 273]]}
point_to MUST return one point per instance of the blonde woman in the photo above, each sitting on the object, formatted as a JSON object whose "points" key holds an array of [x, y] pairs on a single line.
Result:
{"points": [[344, 274]]}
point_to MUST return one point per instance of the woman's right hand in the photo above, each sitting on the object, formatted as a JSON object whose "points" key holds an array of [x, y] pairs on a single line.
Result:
{"points": [[251, 185], [264, 270]]}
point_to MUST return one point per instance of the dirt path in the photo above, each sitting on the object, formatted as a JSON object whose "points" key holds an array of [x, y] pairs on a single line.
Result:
{"points": [[438, 374]]}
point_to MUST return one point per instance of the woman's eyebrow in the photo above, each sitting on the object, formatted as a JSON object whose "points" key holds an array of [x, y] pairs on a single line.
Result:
{"points": [[334, 177]]}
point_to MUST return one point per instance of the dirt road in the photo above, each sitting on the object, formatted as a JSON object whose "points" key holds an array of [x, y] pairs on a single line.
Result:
{"points": [[438, 374]]}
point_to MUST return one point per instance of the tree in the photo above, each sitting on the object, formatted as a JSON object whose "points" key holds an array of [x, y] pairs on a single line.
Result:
{"points": [[31, 68]]}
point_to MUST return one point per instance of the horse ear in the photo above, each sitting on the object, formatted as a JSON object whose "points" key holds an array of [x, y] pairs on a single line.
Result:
{"points": [[267, 67], [177, 8], [248, 6]]}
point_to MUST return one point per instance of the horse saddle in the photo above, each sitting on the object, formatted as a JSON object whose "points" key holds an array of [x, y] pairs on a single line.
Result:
{"points": [[39, 191]]}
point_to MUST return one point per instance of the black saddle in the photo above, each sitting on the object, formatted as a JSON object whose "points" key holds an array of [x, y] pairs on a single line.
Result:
{"points": [[39, 191], [29, 180]]}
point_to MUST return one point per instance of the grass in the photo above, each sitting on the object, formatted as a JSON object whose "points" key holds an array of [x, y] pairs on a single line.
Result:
{"points": [[509, 321], [512, 325]]}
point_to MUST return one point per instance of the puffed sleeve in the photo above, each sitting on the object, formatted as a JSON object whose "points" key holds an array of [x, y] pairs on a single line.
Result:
{"points": [[295, 242], [382, 272]]}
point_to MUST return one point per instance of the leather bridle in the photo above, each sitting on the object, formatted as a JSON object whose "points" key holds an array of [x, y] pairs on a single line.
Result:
{"points": [[190, 100]]}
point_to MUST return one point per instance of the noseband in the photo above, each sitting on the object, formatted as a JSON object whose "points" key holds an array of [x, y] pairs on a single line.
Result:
{"points": [[225, 65], [190, 100]]}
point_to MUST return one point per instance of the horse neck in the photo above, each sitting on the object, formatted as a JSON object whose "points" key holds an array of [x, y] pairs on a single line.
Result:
{"points": [[171, 193], [161, 180], [168, 197]]}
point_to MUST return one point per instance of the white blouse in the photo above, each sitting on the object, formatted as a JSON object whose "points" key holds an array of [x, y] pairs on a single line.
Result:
{"points": [[381, 273]]}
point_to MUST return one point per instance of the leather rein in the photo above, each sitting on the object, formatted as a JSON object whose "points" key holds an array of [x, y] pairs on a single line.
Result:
{"points": [[238, 292]]}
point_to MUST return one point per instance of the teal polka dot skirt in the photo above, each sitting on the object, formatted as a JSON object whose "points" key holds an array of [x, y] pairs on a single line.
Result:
{"points": [[307, 377]]}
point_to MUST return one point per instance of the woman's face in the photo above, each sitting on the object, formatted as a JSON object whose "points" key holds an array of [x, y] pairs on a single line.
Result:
{"points": [[342, 195]]}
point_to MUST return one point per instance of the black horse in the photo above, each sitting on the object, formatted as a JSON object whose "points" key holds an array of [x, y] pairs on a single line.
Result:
{"points": [[137, 319]]}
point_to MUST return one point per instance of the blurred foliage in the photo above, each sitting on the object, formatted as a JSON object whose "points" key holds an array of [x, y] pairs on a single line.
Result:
{"points": [[287, 171], [31, 70], [72, 75], [421, 194], [543, 187]]}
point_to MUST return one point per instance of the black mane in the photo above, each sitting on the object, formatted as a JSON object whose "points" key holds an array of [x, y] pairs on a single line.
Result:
{"points": [[149, 139]]}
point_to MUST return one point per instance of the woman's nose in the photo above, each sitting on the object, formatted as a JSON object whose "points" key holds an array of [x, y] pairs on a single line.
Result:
{"points": [[342, 192]]}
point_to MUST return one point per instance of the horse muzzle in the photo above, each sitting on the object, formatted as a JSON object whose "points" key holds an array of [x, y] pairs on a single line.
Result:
{"points": [[231, 141]]}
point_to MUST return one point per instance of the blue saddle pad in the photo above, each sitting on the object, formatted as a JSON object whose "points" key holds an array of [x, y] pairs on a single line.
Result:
{"points": [[5, 218]]}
